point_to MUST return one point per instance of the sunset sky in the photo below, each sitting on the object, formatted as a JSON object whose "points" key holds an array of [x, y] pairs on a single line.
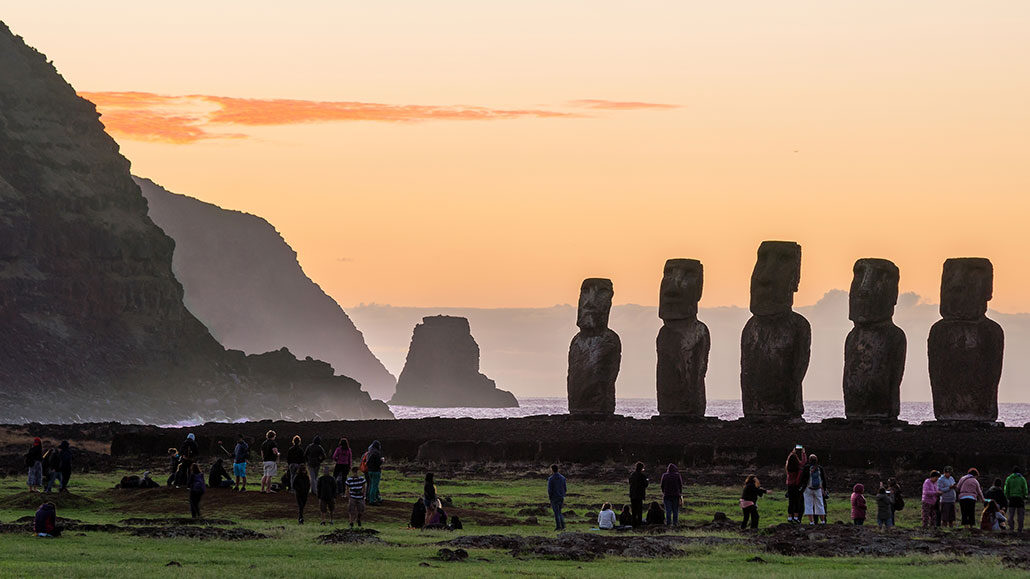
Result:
{"points": [[489, 154]]}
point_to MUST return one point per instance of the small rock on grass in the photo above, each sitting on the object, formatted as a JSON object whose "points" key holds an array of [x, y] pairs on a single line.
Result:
{"points": [[455, 555]]}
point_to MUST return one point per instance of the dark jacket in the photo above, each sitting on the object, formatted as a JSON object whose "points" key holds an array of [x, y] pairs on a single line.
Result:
{"points": [[241, 453], [806, 475], [672, 483], [556, 488], [46, 519], [197, 483], [35, 455], [315, 454], [997, 495], [751, 492], [218, 472], [326, 489], [301, 483], [295, 455], [66, 455], [637, 485], [189, 449], [374, 462], [625, 518], [655, 515]]}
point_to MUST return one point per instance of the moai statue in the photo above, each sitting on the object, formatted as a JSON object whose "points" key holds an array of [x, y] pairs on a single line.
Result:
{"points": [[683, 342], [595, 352], [874, 353], [966, 347], [776, 342]]}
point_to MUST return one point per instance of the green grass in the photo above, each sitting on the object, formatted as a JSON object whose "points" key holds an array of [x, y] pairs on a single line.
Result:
{"points": [[293, 551]]}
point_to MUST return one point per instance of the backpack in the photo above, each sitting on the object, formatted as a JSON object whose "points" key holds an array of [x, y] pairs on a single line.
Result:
{"points": [[455, 524], [815, 480], [899, 503], [364, 463]]}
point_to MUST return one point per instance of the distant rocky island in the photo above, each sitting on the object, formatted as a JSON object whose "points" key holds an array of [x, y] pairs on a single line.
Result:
{"points": [[94, 327], [442, 369], [243, 281]]}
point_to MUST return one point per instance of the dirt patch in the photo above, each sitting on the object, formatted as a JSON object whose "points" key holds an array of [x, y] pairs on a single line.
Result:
{"points": [[27, 500], [584, 546], [851, 541], [177, 521], [349, 536], [446, 554], [189, 532]]}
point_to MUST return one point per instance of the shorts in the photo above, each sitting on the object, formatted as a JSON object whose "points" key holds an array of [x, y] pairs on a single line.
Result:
{"points": [[327, 506], [239, 469], [355, 506], [270, 467]]}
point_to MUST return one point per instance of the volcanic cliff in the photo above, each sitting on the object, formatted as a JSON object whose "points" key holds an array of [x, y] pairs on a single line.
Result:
{"points": [[243, 281], [93, 322], [442, 369]]}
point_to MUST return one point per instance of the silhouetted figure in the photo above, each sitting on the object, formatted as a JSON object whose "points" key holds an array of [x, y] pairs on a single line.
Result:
{"points": [[595, 353], [683, 342]]}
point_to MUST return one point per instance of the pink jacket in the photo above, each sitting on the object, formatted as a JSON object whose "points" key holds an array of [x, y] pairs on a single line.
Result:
{"points": [[930, 492], [858, 509], [342, 455], [968, 486]]}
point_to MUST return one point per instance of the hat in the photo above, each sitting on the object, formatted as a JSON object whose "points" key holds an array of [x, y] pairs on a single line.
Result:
{"points": [[37, 441]]}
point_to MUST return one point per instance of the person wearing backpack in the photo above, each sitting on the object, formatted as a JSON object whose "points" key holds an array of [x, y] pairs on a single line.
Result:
{"points": [[34, 462], [374, 464], [813, 483]]}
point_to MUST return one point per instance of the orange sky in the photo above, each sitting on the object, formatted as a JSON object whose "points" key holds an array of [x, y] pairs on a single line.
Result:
{"points": [[494, 154]]}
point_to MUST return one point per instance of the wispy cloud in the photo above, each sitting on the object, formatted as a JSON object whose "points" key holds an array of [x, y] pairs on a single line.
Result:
{"points": [[619, 105], [191, 118]]}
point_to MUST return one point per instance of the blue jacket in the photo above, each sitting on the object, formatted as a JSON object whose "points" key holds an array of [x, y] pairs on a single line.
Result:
{"points": [[556, 486]]}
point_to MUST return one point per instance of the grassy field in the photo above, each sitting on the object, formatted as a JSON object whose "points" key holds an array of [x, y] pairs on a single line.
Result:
{"points": [[488, 507]]}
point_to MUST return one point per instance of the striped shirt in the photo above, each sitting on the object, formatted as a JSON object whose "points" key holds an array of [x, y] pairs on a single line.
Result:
{"points": [[356, 484]]}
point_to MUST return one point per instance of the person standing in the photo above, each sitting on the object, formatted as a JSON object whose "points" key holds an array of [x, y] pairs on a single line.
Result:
{"points": [[326, 495], [66, 464], [637, 493], [556, 490], [295, 460], [269, 461], [884, 507], [797, 460], [1015, 496], [749, 501], [314, 455], [374, 462], [240, 457], [930, 495], [188, 454], [969, 492], [356, 496], [34, 461], [672, 494], [946, 512], [301, 488], [343, 457], [813, 481], [897, 501], [858, 504], [196, 486], [52, 469]]}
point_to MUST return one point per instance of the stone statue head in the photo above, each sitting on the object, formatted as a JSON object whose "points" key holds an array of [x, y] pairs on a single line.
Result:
{"points": [[595, 303], [681, 289], [874, 291], [967, 284], [775, 278]]}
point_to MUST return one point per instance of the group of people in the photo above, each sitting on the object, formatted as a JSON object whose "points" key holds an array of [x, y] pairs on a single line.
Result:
{"points": [[941, 492], [46, 468]]}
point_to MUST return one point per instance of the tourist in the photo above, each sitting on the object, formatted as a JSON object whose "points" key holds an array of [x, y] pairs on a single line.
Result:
{"points": [[637, 492], [858, 505], [34, 461], [326, 495], [45, 521], [930, 495], [749, 501], [655, 515], [813, 481], [429, 497], [374, 463], [342, 456], [218, 477], [269, 461], [1015, 498], [556, 490], [884, 507], [946, 511], [295, 460], [996, 493], [240, 457], [301, 488], [672, 494], [188, 454], [969, 492], [606, 518], [991, 519], [148, 483], [898, 502], [435, 517], [173, 465], [355, 496], [796, 463], [51, 469], [66, 464], [314, 455], [196, 486], [626, 517]]}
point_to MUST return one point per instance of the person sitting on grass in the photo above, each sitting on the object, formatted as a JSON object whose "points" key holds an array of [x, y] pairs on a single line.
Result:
{"points": [[219, 478], [148, 483], [356, 496], [884, 507], [749, 501], [991, 519], [655, 514], [45, 523], [429, 497], [326, 495], [606, 518], [626, 517], [301, 488]]}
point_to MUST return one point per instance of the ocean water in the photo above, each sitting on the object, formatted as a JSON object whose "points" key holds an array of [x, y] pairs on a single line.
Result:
{"points": [[815, 410]]}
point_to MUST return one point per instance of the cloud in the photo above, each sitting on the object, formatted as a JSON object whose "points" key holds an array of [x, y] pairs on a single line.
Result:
{"points": [[191, 118], [619, 105]]}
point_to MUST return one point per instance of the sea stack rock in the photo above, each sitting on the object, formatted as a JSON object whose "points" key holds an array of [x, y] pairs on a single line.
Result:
{"points": [[966, 347], [442, 369], [595, 353]]}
